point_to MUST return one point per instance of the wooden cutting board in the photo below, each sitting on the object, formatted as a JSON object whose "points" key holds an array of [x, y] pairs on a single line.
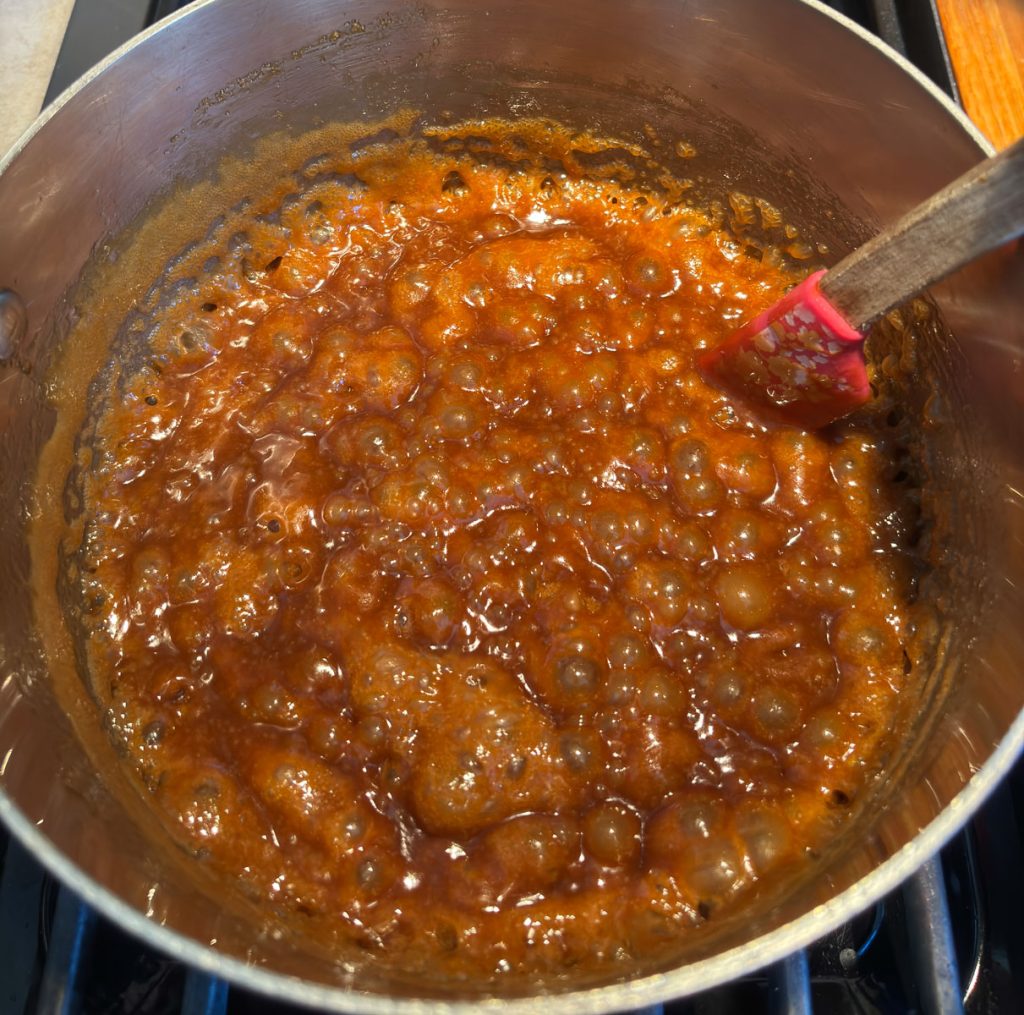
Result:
{"points": [[986, 45]]}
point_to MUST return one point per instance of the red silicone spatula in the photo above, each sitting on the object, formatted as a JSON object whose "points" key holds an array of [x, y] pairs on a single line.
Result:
{"points": [[802, 360]]}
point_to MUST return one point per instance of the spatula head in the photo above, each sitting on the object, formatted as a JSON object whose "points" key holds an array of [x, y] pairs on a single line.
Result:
{"points": [[799, 362]]}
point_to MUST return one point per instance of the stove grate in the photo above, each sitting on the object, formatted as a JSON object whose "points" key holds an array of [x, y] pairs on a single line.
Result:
{"points": [[58, 957]]}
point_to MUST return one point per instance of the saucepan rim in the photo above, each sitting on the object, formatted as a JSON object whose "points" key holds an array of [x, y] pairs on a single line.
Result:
{"points": [[686, 979]]}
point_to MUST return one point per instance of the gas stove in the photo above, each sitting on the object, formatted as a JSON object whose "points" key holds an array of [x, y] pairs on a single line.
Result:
{"points": [[947, 941]]}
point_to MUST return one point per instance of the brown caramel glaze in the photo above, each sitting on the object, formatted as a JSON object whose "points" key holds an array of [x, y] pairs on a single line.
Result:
{"points": [[435, 596]]}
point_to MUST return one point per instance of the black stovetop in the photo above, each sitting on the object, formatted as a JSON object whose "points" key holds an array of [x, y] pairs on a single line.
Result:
{"points": [[946, 941]]}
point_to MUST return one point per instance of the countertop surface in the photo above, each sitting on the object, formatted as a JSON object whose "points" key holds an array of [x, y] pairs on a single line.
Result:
{"points": [[30, 36]]}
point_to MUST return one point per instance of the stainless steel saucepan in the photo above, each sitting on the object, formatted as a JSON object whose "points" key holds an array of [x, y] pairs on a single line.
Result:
{"points": [[780, 99]]}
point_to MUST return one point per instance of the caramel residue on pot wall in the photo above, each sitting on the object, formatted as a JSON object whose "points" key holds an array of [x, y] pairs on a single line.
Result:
{"points": [[397, 340]]}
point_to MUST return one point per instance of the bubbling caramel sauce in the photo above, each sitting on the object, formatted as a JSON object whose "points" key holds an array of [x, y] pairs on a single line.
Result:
{"points": [[436, 597]]}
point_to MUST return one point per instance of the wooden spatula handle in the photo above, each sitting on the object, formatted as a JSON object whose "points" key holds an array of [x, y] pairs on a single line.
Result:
{"points": [[981, 210]]}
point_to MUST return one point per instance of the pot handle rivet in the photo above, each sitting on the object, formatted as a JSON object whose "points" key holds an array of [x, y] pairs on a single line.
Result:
{"points": [[13, 320]]}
